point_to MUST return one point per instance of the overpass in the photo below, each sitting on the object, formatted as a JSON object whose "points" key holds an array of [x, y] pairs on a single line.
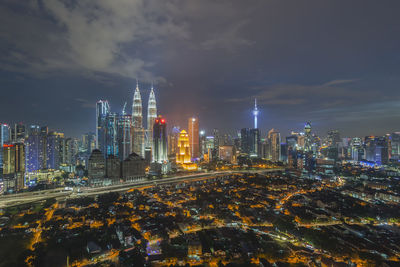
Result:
{"points": [[60, 193]]}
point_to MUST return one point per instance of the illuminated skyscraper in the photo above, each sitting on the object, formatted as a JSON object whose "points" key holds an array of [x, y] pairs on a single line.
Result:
{"points": [[255, 113], [124, 136], [274, 138], [151, 117], [102, 110], [137, 123], [88, 143], [53, 151], [202, 143], [308, 139], [193, 128], [376, 149], [254, 142], [395, 146], [13, 166], [18, 132], [160, 140], [4, 133], [111, 145], [173, 140], [245, 140], [183, 153], [4, 139], [35, 151]]}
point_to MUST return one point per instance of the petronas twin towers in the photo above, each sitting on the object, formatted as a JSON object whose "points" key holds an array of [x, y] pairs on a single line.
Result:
{"points": [[142, 137]]}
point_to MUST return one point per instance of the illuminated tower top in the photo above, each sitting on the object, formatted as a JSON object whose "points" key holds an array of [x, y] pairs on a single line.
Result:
{"points": [[183, 155], [255, 113], [137, 116], [307, 128], [151, 110]]}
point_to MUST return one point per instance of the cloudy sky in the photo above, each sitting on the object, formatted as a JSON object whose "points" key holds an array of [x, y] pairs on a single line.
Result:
{"points": [[334, 63]]}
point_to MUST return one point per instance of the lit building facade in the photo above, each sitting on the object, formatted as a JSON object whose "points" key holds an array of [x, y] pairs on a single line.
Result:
{"points": [[160, 153], [133, 168], [254, 142], [151, 117], [183, 153], [102, 110], [34, 150], [13, 166], [395, 146], [137, 123], [18, 132], [193, 129], [227, 153], [111, 142], [53, 151], [96, 167], [124, 136], [4, 139], [274, 139], [173, 140]]}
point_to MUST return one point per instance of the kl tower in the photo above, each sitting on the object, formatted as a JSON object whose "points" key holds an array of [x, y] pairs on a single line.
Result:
{"points": [[255, 113]]}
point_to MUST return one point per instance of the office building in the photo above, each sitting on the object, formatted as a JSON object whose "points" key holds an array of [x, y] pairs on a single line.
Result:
{"points": [[102, 110], [274, 139], [111, 142], [160, 140], [173, 141], [245, 141], [133, 168], [395, 146], [151, 117], [113, 168], [193, 131], [137, 123], [18, 132], [183, 155], [96, 168], [5, 133], [254, 142], [376, 149], [13, 166], [227, 153], [124, 136]]}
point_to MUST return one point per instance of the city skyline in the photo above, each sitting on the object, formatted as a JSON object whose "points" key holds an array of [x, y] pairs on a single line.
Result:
{"points": [[199, 133], [315, 65]]}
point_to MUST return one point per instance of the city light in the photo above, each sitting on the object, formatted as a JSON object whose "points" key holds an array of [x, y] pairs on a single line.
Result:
{"points": [[199, 133]]}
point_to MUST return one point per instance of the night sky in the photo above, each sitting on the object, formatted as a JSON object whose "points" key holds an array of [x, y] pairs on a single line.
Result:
{"points": [[334, 63]]}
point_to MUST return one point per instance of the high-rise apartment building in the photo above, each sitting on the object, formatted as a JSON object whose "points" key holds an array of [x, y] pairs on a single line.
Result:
{"points": [[53, 151]]}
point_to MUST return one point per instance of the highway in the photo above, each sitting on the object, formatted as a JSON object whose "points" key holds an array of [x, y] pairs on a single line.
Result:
{"points": [[60, 193]]}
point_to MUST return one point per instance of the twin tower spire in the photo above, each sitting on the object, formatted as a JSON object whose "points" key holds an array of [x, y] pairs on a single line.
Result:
{"points": [[143, 137], [137, 110]]}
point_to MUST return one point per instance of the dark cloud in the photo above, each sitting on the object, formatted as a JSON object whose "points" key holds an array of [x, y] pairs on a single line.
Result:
{"points": [[333, 62]]}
